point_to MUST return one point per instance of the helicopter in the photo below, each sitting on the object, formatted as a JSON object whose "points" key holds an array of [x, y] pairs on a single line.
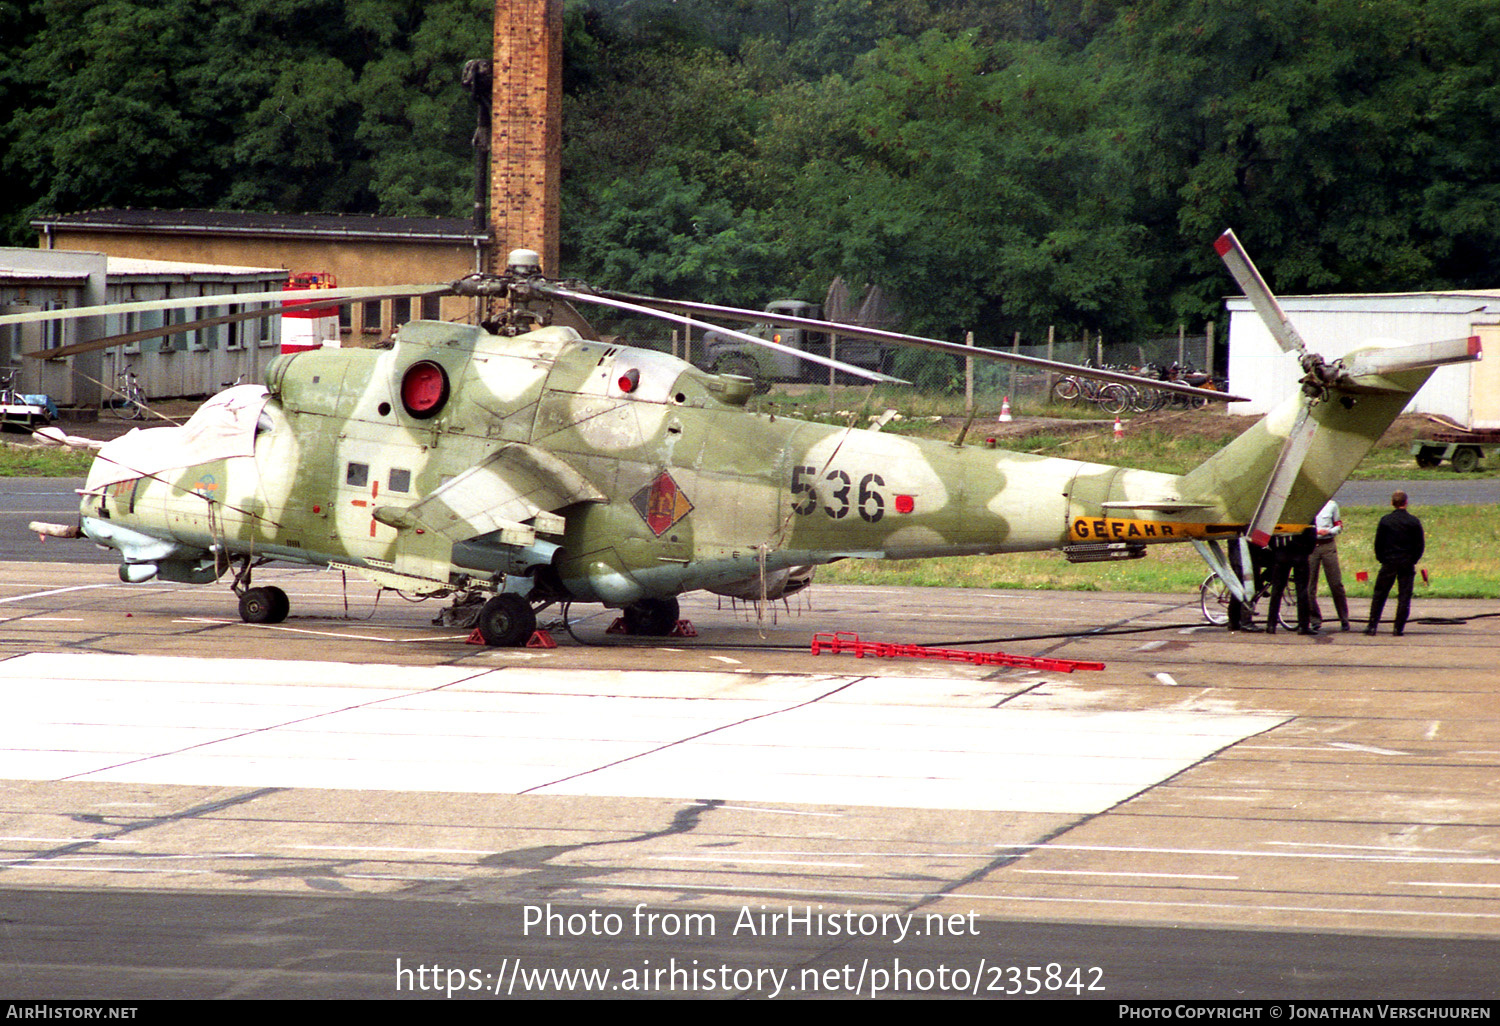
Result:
{"points": [[525, 462]]}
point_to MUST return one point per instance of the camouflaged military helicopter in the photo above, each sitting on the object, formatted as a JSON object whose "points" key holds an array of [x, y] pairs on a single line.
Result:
{"points": [[526, 462]]}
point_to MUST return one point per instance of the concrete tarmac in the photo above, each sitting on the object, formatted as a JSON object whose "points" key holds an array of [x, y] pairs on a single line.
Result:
{"points": [[298, 807]]}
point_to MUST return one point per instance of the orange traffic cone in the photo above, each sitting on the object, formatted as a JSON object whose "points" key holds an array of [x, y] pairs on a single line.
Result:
{"points": [[1119, 429], [1005, 417]]}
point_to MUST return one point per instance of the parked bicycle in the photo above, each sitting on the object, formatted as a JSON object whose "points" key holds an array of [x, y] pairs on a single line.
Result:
{"points": [[129, 402], [1213, 597], [1147, 400], [1109, 396]]}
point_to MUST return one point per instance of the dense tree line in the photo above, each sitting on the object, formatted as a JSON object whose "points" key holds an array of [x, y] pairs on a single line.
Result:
{"points": [[1000, 164]]}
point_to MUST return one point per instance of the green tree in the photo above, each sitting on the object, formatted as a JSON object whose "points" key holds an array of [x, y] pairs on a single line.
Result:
{"points": [[657, 233], [297, 105], [982, 183], [1341, 139]]}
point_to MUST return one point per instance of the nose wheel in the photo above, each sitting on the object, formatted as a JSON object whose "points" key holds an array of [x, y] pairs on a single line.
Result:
{"points": [[267, 604]]}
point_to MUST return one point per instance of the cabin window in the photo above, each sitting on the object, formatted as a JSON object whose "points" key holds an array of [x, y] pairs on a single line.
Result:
{"points": [[400, 480], [357, 475]]}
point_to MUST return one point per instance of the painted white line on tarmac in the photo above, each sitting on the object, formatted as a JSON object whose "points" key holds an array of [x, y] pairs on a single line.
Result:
{"points": [[58, 591]]}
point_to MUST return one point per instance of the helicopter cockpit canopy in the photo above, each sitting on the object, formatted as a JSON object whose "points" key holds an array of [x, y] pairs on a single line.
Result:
{"points": [[223, 427]]}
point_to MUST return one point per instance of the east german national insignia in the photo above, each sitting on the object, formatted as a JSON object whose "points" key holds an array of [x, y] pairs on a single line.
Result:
{"points": [[661, 504]]}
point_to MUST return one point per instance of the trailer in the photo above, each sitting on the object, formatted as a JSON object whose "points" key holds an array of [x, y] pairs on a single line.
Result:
{"points": [[1463, 449], [22, 411]]}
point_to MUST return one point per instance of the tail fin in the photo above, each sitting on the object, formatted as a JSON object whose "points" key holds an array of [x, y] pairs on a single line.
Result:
{"points": [[1264, 477], [1293, 461]]}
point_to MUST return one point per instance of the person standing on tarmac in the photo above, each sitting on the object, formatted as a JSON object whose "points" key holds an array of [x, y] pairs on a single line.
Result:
{"points": [[1325, 558], [1399, 544], [1290, 554]]}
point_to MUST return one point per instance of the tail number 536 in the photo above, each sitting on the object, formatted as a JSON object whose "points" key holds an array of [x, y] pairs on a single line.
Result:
{"points": [[842, 493]]}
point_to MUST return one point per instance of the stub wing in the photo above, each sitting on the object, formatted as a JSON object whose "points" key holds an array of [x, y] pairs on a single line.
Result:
{"points": [[514, 491]]}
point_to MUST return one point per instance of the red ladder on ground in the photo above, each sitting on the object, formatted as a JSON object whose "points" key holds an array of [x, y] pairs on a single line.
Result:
{"points": [[847, 642]]}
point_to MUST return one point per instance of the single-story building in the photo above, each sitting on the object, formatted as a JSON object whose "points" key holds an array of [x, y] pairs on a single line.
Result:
{"points": [[357, 249], [198, 362], [1333, 326]]}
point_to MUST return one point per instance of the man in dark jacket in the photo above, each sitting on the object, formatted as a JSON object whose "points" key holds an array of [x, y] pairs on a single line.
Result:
{"points": [[1290, 553], [1399, 544]]}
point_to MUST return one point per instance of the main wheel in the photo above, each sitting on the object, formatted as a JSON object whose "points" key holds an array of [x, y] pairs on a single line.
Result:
{"points": [[507, 620], [264, 605], [653, 618], [1213, 597]]}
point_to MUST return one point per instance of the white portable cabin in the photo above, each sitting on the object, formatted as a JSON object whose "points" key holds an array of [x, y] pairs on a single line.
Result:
{"points": [[1333, 326]]}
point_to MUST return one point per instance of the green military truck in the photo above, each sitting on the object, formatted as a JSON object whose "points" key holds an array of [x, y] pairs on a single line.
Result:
{"points": [[724, 354]]}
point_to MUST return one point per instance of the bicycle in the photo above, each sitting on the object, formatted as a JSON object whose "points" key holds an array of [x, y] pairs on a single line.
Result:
{"points": [[130, 399], [1213, 598], [1111, 397]]}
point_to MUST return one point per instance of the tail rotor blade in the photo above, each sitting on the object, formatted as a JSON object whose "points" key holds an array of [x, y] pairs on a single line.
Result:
{"points": [[1414, 357], [1288, 465], [1259, 293]]}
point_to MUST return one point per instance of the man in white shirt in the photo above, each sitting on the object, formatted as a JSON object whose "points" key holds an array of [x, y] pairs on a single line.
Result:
{"points": [[1325, 557]]}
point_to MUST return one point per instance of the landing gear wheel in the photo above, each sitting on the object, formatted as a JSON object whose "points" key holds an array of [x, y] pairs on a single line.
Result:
{"points": [[653, 618], [264, 605], [506, 621]]}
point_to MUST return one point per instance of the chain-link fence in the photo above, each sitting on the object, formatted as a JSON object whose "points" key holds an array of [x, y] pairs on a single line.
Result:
{"points": [[988, 383]]}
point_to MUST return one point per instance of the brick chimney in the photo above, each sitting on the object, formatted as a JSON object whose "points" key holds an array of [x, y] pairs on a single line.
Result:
{"points": [[526, 131]]}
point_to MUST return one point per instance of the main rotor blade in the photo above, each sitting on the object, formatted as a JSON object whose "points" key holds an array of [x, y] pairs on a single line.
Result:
{"points": [[296, 297], [141, 336], [1288, 465], [896, 338], [633, 305], [1259, 293]]}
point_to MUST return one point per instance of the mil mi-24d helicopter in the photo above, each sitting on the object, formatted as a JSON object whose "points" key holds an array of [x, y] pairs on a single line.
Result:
{"points": [[524, 463]]}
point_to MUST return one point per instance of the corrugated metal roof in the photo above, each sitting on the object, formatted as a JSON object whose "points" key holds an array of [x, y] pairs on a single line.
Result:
{"points": [[1466, 301], [448, 229], [39, 274]]}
